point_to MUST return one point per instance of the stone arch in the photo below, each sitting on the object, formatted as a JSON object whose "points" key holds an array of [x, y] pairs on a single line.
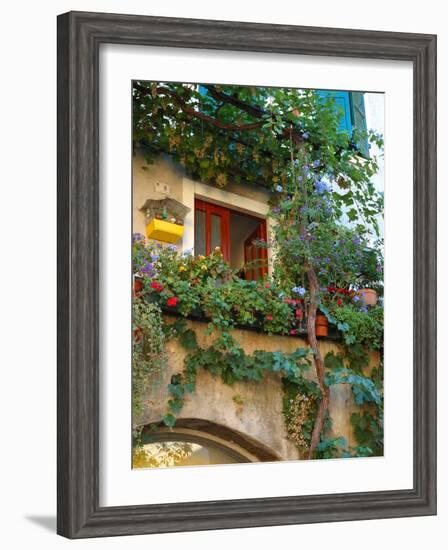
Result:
{"points": [[244, 447]]}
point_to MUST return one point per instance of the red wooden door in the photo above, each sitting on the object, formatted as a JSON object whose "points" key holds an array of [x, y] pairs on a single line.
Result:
{"points": [[212, 228], [256, 257]]}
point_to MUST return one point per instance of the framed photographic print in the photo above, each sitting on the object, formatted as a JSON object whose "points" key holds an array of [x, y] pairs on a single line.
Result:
{"points": [[246, 274]]}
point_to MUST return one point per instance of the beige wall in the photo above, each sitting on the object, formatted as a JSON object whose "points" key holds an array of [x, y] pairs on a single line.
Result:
{"points": [[260, 414], [144, 178], [183, 189]]}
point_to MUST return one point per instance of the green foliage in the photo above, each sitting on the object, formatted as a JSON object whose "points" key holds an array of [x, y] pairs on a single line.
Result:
{"points": [[331, 447], [368, 430], [148, 355], [363, 388], [359, 325]]}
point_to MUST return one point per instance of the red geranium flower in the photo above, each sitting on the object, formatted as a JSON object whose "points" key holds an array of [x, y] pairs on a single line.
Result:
{"points": [[339, 302], [269, 317], [172, 302], [156, 286]]}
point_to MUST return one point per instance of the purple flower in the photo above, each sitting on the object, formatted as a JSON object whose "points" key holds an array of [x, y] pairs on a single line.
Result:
{"points": [[154, 257], [316, 163], [321, 187], [356, 298], [148, 268], [172, 247], [356, 242], [299, 178], [137, 237], [305, 135], [363, 309], [299, 290], [276, 210]]}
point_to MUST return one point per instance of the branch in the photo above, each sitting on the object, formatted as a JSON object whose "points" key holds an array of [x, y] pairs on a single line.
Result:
{"points": [[233, 100], [197, 114], [320, 368]]}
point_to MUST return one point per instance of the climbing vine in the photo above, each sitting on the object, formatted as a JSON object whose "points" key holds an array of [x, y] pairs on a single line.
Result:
{"points": [[148, 351]]}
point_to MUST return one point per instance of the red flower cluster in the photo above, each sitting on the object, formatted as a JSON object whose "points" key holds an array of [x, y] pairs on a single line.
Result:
{"points": [[172, 302], [333, 290], [158, 287], [269, 317], [340, 302], [292, 301]]}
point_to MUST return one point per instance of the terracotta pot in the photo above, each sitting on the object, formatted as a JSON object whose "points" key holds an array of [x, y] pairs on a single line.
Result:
{"points": [[138, 334], [321, 325], [368, 296], [138, 287]]}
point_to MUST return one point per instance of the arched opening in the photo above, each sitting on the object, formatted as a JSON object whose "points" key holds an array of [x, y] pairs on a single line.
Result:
{"points": [[196, 442]]}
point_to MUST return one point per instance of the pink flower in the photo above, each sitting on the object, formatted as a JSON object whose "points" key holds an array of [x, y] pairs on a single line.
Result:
{"points": [[269, 317], [292, 331]]}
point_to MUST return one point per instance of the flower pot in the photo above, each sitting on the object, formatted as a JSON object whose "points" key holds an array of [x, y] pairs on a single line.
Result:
{"points": [[368, 296], [138, 287], [162, 230], [321, 325]]}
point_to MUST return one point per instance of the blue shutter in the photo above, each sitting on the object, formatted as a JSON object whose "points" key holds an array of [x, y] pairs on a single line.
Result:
{"points": [[359, 121], [341, 99], [354, 115]]}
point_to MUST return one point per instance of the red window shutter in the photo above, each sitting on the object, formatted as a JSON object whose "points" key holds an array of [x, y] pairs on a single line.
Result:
{"points": [[222, 215]]}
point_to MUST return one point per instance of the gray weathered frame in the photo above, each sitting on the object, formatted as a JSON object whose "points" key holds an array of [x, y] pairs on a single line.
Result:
{"points": [[79, 37]]}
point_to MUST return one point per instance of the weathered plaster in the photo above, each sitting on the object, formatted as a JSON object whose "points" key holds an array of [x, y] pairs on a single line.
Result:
{"points": [[258, 410]]}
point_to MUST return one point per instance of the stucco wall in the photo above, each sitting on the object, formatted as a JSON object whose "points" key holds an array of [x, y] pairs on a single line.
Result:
{"points": [[258, 411], [166, 171], [144, 179]]}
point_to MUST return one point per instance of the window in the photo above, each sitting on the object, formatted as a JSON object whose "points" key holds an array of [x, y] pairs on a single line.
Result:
{"points": [[240, 237]]}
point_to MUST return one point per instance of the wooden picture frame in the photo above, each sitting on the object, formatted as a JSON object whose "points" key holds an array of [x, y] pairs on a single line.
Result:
{"points": [[79, 38]]}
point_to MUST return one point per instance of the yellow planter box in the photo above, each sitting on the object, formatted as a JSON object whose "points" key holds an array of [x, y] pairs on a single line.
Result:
{"points": [[161, 230]]}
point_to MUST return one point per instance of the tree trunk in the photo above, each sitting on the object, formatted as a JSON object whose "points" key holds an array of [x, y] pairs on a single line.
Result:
{"points": [[320, 369]]}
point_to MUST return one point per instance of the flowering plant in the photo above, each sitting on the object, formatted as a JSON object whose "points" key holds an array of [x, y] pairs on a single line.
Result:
{"points": [[207, 286]]}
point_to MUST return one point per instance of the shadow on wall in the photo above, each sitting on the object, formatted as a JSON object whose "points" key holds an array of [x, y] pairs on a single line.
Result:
{"points": [[46, 522]]}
